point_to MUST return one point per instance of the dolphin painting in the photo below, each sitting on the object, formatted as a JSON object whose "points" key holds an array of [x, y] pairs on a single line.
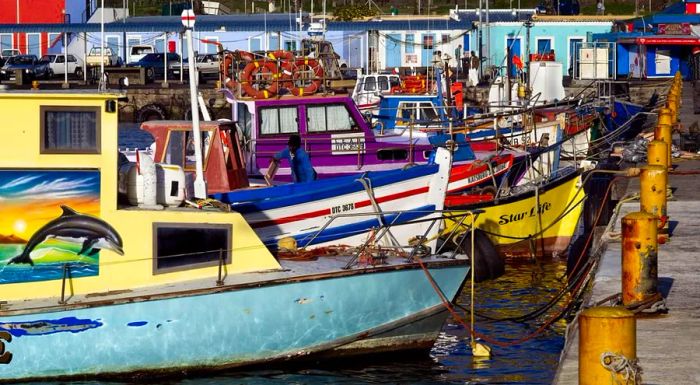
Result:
{"points": [[94, 233]]}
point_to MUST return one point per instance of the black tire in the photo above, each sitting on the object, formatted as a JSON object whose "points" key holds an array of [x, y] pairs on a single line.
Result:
{"points": [[188, 114], [488, 264], [150, 74], [78, 72], [151, 112]]}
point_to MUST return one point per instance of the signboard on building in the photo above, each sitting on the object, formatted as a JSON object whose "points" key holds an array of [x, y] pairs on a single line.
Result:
{"points": [[674, 29], [410, 59]]}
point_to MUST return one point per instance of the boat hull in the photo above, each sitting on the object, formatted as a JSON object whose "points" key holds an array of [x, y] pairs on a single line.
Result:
{"points": [[335, 314], [552, 213]]}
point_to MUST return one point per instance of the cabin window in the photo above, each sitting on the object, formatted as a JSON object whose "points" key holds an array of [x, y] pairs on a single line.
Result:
{"points": [[370, 83], [329, 118], [180, 149], [383, 83], [68, 130], [392, 154], [406, 112], [394, 81], [427, 112], [278, 120], [182, 246], [245, 120], [428, 42]]}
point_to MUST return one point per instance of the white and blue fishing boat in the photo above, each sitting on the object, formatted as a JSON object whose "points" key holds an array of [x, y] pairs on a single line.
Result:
{"points": [[93, 286]]}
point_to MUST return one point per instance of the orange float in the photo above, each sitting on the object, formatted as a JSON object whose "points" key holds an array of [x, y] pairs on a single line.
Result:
{"points": [[309, 85], [254, 70]]}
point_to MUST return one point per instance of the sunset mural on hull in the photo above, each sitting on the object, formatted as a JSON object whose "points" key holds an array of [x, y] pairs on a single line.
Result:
{"points": [[29, 199]]}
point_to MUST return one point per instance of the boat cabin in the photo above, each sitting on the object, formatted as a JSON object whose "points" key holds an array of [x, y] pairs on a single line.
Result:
{"points": [[59, 187], [369, 88], [333, 132]]}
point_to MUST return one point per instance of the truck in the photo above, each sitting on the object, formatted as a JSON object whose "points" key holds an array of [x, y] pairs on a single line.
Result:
{"points": [[110, 58], [137, 52]]}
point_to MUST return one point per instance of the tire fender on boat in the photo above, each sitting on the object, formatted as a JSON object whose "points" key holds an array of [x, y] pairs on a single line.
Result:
{"points": [[488, 264], [153, 111]]}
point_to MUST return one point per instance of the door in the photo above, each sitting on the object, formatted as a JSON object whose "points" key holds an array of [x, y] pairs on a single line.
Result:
{"points": [[573, 45], [663, 62], [514, 45], [427, 50], [393, 50]]}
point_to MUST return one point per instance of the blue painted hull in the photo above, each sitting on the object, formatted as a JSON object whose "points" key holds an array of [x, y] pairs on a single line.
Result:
{"points": [[234, 326]]}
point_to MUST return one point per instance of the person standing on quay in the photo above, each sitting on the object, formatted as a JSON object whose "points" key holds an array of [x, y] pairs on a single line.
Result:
{"points": [[474, 62]]}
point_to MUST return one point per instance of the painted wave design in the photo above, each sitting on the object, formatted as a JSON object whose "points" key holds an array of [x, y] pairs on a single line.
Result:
{"points": [[44, 327]]}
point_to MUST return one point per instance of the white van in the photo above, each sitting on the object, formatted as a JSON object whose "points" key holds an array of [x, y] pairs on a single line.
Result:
{"points": [[139, 51]]}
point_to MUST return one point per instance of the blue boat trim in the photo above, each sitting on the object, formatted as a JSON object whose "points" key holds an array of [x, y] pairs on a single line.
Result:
{"points": [[45, 327], [338, 232], [267, 198]]}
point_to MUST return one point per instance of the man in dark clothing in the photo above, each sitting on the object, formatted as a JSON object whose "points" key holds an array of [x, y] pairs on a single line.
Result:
{"points": [[299, 160]]}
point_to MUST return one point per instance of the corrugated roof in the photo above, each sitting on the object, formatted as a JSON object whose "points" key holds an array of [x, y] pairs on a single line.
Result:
{"points": [[272, 22]]}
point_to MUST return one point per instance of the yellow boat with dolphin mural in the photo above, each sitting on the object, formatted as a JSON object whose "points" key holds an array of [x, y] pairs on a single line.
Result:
{"points": [[539, 222], [92, 285]]}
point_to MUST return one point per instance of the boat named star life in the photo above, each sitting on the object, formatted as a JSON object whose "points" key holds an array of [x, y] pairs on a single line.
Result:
{"points": [[94, 286]]}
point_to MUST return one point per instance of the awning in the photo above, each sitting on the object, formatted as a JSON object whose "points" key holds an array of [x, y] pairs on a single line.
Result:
{"points": [[662, 40]]}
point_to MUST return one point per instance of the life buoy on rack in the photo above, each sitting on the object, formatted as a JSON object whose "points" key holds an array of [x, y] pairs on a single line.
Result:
{"points": [[413, 85], [285, 67], [263, 74], [226, 68], [303, 83]]}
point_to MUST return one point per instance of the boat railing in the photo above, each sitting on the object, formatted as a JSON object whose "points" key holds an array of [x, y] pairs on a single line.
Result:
{"points": [[417, 245]]}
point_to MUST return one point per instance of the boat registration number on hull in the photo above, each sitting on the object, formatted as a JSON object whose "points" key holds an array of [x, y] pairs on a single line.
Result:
{"points": [[342, 144], [342, 208]]}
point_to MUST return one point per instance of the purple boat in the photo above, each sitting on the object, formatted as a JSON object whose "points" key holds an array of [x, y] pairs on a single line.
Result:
{"points": [[340, 142]]}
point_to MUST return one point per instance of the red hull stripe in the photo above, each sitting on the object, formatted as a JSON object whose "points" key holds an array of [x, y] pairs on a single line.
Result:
{"points": [[323, 212]]}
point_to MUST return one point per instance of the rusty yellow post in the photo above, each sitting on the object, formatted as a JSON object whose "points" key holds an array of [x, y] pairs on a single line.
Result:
{"points": [[664, 133], [652, 191], [665, 116], [604, 330], [657, 153], [639, 258]]}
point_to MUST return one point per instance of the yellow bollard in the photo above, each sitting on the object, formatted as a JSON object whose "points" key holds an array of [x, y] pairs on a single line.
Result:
{"points": [[665, 116], [663, 133], [604, 330], [639, 258], [674, 111], [652, 192], [657, 153]]}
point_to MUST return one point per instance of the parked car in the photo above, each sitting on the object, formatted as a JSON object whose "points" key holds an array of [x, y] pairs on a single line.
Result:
{"points": [[29, 64], [208, 67], [6, 54], [57, 65], [110, 58], [137, 52], [154, 64]]}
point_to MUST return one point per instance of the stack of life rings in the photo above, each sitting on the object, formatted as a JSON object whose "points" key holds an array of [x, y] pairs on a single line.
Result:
{"points": [[280, 72]]}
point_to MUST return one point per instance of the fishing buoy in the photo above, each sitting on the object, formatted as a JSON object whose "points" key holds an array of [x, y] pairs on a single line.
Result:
{"points": [[287, 244]]}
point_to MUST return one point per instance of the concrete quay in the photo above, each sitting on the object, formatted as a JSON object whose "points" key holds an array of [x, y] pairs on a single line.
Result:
{"points": [[668, 346]]}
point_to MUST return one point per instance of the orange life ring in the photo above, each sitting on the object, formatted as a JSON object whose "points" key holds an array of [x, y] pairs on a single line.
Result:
{"points": [[226, 66], [308, 86], [285, 66], [249, 77]]}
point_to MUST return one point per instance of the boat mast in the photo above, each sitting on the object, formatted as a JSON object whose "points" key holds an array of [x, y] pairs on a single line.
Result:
{"points": [[200, 186]]}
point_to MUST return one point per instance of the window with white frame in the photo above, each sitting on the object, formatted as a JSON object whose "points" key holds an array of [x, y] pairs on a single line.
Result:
{"points": [[159, 44], [278, 120], [255, 44], [544, 45], [410, 43], [208, 47], [132, 40], [328, 118], [113, 42], [6, 41], [55, 43], [34, 44]]}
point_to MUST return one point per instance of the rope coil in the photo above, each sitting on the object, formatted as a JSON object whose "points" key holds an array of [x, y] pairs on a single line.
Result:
{"points": [[618, 364]]}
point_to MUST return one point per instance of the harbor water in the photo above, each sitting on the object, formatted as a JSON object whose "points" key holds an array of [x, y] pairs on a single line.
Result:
{"points": [[526, 286]]}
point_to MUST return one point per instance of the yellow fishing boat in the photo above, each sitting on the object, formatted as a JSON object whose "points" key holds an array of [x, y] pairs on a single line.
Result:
{"points": [[538, 222]]}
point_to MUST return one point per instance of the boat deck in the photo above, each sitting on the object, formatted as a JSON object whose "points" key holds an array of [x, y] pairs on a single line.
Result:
{"points": [[322, 267]]}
